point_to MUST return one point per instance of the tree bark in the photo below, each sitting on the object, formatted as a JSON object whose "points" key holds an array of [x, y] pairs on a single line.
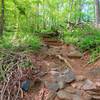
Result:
{"points": [[2, 18], [97, 12]]}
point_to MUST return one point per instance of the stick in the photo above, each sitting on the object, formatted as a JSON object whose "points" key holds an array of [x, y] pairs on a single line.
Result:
{"points": [[65, 60], [4, 87]]}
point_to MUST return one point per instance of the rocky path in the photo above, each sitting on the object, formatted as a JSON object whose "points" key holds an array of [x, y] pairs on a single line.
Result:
{"points": [[60, 73], [68, 77]]}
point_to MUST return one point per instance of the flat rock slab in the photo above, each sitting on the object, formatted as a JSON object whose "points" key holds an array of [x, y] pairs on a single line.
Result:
{"points": [[75, 54], [88, 85], [66, 76], [94, 72]]}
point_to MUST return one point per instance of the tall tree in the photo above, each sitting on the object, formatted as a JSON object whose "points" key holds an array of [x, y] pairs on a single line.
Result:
{"points": [[2, 17], [97, 8]]}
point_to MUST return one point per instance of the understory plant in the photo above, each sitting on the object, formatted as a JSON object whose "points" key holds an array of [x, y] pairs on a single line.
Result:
{"points": [[22, 41], [86, 38]]}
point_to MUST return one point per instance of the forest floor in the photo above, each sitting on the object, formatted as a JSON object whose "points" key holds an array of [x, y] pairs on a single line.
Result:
{"points": [[61, 73]]}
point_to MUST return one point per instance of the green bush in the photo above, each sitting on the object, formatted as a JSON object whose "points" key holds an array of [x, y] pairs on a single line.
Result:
{"points": [[95, 53], [86, 38], [20, 41], [89, 42]]}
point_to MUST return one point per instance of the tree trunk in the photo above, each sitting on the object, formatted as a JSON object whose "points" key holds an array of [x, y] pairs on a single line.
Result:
{"points": [[97, 12], [2, 17]]}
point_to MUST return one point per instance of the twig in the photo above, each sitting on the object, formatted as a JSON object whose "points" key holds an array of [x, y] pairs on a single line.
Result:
{"points": [[5, 86], [19, 89], [9, 94], [65, 60]]}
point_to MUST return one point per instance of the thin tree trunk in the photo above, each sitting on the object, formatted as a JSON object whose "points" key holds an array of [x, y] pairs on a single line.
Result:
{"points": [[44, 21], [97, 12], [2, 18]]}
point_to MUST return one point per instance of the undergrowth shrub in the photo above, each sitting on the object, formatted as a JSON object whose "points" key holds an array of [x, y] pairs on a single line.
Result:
{"points": [[89, 42], [95, 54], [85, 38], [20, 40]]}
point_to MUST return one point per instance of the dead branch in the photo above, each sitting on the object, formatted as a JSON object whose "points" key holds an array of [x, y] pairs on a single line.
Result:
{"points": [[65, 60]]}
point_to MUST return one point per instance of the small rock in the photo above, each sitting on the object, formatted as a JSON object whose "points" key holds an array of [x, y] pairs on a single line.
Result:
{"points": [[54, 69], [61, 84], [74, 85], [69, 76], [88, 85], [25, 85], [75, 54], [63, 95], [72, 48], [54, 73], [97, 84], [80, 78], [53, 86]]}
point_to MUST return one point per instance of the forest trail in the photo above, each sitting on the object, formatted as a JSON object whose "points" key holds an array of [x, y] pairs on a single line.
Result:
{"points": [[70, 53], [60, 70], [59, 56], [40, 50]]}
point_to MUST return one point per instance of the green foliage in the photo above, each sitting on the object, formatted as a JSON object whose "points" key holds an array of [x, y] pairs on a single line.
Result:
{"points": [[36, 15], [95, 54], [88, 42], [25, 17], [85, 38], [72, 36], [20, 40]]}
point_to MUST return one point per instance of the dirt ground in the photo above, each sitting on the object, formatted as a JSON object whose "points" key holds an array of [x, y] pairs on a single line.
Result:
{"points": [[47, 59], [55, 54]]}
